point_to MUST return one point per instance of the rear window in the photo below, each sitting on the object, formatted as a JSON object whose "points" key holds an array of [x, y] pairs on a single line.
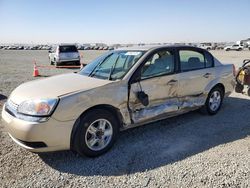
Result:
{"points": [[67, 49]]}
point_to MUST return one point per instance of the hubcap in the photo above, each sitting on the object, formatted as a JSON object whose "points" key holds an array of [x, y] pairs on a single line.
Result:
{"points": [[99, 134], [215, 101]]}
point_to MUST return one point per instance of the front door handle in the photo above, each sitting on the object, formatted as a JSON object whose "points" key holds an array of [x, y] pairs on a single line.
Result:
{"points": [[172, 82], [207, 75]]}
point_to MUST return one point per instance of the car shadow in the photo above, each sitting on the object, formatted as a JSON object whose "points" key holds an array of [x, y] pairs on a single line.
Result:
{"points": [[161, 143]]}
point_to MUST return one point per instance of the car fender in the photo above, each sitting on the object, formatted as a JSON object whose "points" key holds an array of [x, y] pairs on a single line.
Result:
{"points": [[112, 94], [211, 85]]}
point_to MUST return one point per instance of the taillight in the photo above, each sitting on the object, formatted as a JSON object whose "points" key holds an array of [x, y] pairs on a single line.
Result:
{"points": [[57, 51]]}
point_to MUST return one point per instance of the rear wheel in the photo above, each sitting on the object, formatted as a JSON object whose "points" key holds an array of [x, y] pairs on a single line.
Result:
{"points": [[214, 101], [96, 133]]}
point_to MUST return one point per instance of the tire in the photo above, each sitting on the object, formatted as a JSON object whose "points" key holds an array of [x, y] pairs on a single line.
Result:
{"points": [[51, 63], [239, 88], [210, 107], [90, 139]]}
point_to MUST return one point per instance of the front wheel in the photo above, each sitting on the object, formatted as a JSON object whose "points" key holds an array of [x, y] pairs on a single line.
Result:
{"points": [[214, 101], [96, 133]]}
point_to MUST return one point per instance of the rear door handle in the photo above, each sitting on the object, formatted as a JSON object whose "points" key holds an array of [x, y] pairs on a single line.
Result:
{"points": [[172, 82], [207, 75]]}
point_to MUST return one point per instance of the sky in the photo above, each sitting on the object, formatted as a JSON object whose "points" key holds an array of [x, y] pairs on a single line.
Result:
{"points": [[123, 21]]}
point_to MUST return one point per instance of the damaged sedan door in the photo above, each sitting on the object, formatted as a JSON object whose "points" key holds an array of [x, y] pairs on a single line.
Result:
{"points": [[153, 89], [196, 72]]}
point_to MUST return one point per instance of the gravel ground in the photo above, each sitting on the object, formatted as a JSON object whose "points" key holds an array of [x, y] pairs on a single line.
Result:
{"points": [[191, 150]]}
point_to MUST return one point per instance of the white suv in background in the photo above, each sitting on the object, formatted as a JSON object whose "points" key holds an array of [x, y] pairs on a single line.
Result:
{"points": [[65, 54], [236, 47], [206, 46]]}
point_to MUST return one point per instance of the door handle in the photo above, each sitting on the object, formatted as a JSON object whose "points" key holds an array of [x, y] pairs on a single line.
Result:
{"points": [[207, 75], [172, 82]]}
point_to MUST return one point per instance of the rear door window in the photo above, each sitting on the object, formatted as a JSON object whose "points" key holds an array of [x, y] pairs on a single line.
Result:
{"points": [[191, 60]]}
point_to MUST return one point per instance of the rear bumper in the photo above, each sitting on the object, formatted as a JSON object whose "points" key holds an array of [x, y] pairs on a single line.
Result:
{"points": [[51, 135], [67, 61]]}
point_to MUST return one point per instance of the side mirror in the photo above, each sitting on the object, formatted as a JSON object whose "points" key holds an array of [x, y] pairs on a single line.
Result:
{"points": [[142, 97]]}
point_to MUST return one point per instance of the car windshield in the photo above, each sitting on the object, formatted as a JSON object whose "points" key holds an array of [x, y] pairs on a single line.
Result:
{"points": [[112, 65]]}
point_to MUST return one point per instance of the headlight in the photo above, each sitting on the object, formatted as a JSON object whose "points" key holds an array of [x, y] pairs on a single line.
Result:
{"points": [[41, 107]]}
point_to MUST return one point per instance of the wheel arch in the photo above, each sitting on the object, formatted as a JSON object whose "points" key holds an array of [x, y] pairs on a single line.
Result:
{"points": [[221, 86], [107, 107]]}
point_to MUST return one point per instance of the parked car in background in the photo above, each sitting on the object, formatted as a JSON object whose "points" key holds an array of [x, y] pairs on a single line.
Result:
{"points": [[87, 48], [121, 89], [64, 54], [206, 46], [20, 48], [111, 48], [236, 47], [219, 47], [105, 48], [80, 47], [46, 48]]}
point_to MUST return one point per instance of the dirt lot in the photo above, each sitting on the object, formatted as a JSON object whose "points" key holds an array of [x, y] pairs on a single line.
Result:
{"points": [[191, 150]]}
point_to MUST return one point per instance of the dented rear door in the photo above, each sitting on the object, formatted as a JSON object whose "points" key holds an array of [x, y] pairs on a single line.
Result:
{"points": [[196, 72]]}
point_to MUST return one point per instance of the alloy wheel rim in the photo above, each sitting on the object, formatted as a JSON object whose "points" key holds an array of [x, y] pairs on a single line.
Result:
{"points": [[99, 134], [215, 101]]}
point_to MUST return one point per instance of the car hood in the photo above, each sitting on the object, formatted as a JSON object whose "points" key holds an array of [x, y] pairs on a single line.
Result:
{"points": [[55, 86]]}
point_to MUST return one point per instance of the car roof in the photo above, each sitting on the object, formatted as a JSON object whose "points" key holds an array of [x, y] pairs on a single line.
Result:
{"points": [[152, 47]]}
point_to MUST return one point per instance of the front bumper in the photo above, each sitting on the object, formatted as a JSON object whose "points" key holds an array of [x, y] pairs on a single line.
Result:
{"points": [[52, 135]]}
